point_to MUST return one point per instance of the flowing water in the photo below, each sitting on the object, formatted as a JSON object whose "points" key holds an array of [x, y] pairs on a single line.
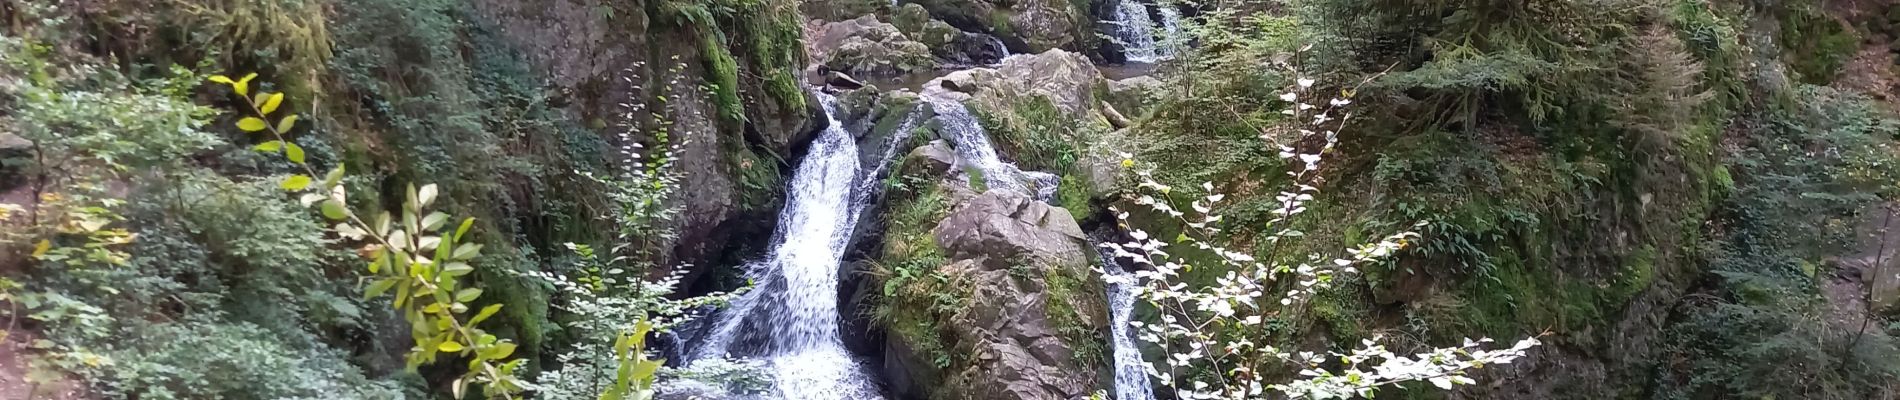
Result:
{"points": [[975, 152], [979, 159], [1131, 379], [790, 319], [1144, 39]]}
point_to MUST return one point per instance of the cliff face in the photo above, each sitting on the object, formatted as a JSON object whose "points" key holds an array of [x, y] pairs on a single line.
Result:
{"points": [[737, 137]]}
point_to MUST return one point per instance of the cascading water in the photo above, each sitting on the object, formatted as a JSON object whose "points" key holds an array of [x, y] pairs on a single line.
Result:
{"points": [[790, 319], [1131, 379], [974, 149], [1141, 38]]}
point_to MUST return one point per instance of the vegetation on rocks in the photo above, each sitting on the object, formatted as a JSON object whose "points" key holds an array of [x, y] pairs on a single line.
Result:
{"points": [[1637, 199]]}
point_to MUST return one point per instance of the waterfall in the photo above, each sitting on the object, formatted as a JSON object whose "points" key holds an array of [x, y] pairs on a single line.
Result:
{"points": [[1131, 378], [1142, 40], [975, 152], [790, 319], [1002, 50]]}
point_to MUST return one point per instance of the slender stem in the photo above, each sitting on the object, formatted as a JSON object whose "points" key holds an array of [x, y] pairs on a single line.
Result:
{"points": [[1879, 269]]}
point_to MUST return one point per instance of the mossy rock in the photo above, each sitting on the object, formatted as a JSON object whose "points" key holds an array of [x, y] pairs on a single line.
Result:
{"points": [[1026, 26], [866, 47]]}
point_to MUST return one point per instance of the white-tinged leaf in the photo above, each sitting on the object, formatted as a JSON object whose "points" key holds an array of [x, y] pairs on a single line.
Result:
{"points": [[425, 195]]}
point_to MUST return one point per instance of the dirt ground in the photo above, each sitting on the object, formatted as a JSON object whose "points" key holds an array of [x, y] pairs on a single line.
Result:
{"points": [[15, 366]]}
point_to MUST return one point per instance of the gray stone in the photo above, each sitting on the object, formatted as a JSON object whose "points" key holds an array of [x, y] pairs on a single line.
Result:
{"points": [[931, 159], [864, 46], [1003, 229]]}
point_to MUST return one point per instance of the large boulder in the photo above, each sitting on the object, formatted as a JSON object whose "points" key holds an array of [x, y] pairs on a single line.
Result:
{"points": [[1035, 313], [1027, 26], [1020, 350], [864, 46], [948, 42], [1067, 79], [1002, 229]]}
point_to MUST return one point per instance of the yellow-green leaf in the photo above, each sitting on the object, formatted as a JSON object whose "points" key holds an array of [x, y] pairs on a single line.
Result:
{"points": [[39, 250], [463, 230], [379, 287], [486, 312], [335, 176], [271, 103], [499, 351], [468, 295], [220, 79], [270, 146], [334, 209], [243, 86], [449, 346], [251, 124], [294, 152], [284, 125], [296, 182]]}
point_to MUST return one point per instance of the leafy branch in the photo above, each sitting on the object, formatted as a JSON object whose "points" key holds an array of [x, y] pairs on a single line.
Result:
{"points": [[413, 255]]}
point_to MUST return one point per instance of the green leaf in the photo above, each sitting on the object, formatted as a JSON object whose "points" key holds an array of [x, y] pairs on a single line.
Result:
{"points": [[434, 220], [467, 251], [382, 258], [284, 125], [250, 124], [468, 295], [270, 146], [499, 351], [449, 346], [294, 152], [486, 312], [466, 223], [334, 210], [335, 176], [296, 182], [455, 269], [377, 288], [271, 103]]}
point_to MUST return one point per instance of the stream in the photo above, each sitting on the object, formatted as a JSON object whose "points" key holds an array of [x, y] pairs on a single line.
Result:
{"points": [[790, 320]]}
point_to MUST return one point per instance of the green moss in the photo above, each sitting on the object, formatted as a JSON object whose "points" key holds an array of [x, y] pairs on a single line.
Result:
{"points": [[1816, 44], [1066, 292], [978, 182], [1073, 195], [776, 51], [759, 180], [916, 299], [722, 74], [1036, 133], [999, 23]]}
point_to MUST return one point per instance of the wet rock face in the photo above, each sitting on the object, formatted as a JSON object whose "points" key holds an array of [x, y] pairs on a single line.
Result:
{"points": [[599, 63], [864, 46]]}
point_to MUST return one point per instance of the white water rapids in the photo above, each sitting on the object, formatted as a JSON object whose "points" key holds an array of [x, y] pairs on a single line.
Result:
{"points": [[1142, 38], [790, 319]]}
